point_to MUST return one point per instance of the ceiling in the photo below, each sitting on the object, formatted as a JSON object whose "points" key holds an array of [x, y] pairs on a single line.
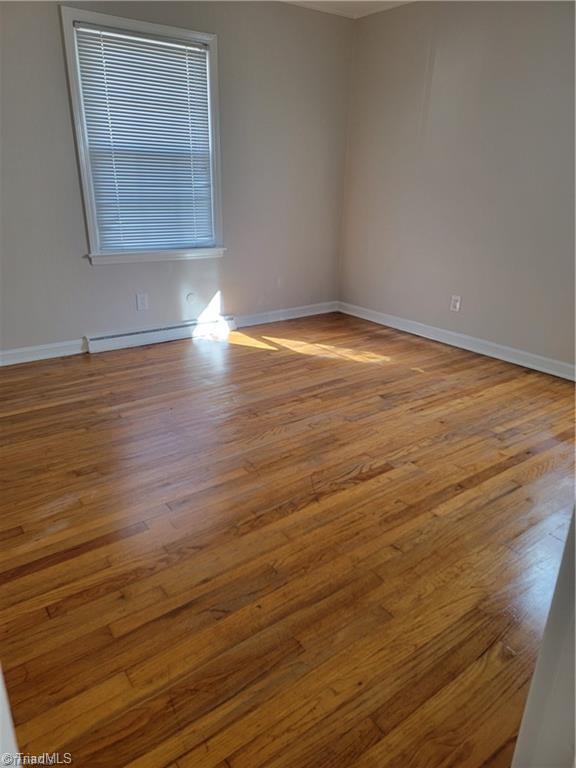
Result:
{"points": [[354, 9]]}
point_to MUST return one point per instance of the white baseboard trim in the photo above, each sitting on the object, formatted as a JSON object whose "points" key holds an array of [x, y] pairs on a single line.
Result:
{"points": [[291, 313], [471, 343], [41, 352], [123, 340], [151, 336], [185, 330]]}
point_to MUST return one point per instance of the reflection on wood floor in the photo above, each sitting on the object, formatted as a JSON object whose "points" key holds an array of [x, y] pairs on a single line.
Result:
{"points": [[322, 543]]}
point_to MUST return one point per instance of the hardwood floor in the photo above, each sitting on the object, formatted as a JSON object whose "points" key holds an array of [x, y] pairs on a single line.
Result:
{"points": [[322, 544]]}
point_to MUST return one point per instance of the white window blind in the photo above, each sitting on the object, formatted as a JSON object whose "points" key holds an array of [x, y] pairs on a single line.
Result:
{"points": [[147, 131]]}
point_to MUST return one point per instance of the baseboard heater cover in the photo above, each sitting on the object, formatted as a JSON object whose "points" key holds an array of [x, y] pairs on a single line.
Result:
{"points": [[153, 335]]}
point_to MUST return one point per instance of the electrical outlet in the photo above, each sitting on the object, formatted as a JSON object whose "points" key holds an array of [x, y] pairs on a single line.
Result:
{"points": [[141, 302], [455, 303]]}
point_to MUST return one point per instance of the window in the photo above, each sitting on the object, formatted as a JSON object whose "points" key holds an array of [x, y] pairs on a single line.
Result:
{"points": [[144, 104]]}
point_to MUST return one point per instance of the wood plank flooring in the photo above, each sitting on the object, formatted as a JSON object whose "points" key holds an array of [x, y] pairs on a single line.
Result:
{"points": [[321, 544]]}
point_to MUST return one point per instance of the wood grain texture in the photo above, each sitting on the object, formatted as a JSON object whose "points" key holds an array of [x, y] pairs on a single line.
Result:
{"points": [[320, 544]]}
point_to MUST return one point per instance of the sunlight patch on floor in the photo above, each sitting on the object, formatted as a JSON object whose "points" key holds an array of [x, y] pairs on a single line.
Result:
{"points": [[243, 340], [328, 350]]}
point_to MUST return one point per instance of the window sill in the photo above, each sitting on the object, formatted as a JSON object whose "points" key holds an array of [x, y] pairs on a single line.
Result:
{"points": [[134, 256]]}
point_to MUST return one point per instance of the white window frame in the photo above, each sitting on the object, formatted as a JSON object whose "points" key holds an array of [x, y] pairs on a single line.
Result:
{"points": [[96, 256]]}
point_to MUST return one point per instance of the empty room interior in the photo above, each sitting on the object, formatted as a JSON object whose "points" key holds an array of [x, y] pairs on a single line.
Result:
{"points": [[286, 385]]}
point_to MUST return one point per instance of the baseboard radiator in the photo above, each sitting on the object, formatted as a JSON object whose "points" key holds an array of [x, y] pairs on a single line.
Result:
{"points": [[155, 335]]}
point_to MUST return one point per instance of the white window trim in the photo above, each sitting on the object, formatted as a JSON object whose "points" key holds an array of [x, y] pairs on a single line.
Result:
{"points": [[128, 257], [96, 256]]}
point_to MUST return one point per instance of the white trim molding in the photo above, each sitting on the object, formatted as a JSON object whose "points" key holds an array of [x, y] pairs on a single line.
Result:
{"points": [[41, 352], [125, 339], [290, 313], [136, 256], [471, 343], [153, 335], [72, 16]]}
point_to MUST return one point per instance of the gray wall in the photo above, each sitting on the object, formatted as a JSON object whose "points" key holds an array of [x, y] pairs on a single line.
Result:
{"points": [[456, 177], [283, 93], [460, 170]]}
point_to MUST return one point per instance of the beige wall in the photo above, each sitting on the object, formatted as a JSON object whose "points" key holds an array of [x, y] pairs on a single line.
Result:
{"points": [[460, 170], [283, 92]]}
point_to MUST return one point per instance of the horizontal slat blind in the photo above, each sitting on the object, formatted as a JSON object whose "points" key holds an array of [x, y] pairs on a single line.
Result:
{"points": [[147, 126]]}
